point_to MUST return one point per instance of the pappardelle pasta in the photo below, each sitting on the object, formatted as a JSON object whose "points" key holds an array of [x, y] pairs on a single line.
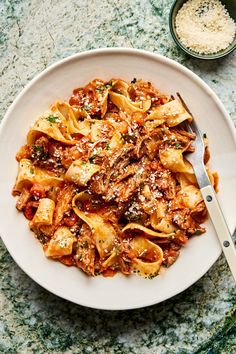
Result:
{"points": [[104, 182]]}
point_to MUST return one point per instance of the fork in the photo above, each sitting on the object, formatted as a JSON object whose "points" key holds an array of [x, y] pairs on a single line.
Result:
{"points": [[196, 159]]}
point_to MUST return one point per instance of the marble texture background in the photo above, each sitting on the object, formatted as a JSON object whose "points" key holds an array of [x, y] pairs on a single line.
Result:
{"points": [[33, 35]]}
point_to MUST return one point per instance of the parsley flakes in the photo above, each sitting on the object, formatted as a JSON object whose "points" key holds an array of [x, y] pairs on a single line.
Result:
{"points": [[38, 152], [92, 158], [86, 107], [100, 89], [178, 146], [109, 85], [197, 233], [52, 119]]}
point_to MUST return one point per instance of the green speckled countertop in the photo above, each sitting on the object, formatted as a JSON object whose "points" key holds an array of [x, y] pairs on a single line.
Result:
{"points": [[33, 35]]}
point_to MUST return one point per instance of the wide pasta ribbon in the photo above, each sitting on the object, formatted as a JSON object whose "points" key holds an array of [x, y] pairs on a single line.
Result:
{"points": [[173, 160], [148, 257], [103, 233], [160, 220], [122, 100], [61, 123], [44, 213], [67, 113], [55, 125], [189, 194], [61, 243], [94, 128], [28, 174], [81, 172], [172, 113], [148, 232]]}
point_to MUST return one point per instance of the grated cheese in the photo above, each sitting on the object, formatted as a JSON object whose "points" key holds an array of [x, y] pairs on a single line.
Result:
{"points": [[205, 26]]}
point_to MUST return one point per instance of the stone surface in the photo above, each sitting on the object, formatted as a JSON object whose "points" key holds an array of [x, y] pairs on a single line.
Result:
{"points": [[33, 35]]}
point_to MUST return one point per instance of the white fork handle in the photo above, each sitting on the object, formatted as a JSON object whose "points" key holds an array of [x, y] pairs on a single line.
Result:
{"points": [[220, 226]]}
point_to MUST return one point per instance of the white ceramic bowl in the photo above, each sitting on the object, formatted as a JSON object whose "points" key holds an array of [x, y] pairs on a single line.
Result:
{"points": [[57, 82]]}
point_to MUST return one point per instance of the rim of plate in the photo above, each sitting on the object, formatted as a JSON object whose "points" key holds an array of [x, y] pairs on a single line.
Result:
{"points": [[134, 52]]}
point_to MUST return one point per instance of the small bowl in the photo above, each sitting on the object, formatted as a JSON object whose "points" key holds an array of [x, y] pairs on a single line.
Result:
{"points": [[230, 6]]}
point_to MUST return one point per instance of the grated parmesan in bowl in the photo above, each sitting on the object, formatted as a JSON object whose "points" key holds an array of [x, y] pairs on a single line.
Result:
{"points": [[203, 27]]}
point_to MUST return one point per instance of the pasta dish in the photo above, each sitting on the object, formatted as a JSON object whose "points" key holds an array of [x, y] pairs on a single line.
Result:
{"points": [[104, 182]]}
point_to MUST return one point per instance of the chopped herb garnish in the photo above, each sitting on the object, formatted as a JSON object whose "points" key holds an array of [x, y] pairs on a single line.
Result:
{"points": [[31, 170], [134, 80], [117, 249], [129, 138], [85, 244], [39, 153], [42, 238], [171, 237], [133, 215], [37, 148], [86, 107], [109, 85], [178, 146], [52, 119], [101, 88], [197, 232], [107, 146], [92, 158], [153, 275]]}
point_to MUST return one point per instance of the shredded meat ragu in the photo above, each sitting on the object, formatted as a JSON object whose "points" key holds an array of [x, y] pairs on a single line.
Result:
{"points": [[63, 202], [185, 221]]}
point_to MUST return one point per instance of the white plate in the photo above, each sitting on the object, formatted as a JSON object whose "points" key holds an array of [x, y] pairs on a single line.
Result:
{"points": [[57, 82]]}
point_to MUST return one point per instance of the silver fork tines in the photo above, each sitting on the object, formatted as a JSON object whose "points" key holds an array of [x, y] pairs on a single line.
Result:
{"points": [[196, 158]]}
